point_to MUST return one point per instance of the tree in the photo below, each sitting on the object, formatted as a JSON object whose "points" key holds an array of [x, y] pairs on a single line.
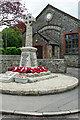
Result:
{"points": [[11, 12], [1, 42], [13, 37]]}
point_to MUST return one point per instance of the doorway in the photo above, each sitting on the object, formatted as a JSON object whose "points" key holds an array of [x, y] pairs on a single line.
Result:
{"points": [[39, 52]]}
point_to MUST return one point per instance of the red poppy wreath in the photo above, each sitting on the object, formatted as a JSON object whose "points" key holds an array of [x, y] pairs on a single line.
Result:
{"points": [[28, 69]]}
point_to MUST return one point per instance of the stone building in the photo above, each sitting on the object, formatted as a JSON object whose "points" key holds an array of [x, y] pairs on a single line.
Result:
{"points": [[56, 34]]}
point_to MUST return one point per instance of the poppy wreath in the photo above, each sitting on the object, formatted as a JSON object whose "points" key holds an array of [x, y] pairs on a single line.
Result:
{"points": [[28, 69]]}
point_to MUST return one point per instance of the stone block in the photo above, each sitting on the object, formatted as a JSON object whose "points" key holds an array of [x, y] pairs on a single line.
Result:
{"points": [[28, 57], [8, 76], [21, 80]]}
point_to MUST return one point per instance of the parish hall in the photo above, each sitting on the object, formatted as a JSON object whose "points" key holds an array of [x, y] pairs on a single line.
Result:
{"points": [[56, 35]]}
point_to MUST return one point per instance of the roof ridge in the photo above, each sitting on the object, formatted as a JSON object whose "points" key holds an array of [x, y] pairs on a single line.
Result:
{"points": [[48, 5]]}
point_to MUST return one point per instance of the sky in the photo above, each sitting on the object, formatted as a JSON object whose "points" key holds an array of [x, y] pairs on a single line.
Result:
{"points": [[68, 6], [36, 6]]}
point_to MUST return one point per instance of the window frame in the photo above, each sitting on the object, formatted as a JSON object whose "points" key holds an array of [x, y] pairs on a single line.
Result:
{"points": [[64, 43], [72, 43]]}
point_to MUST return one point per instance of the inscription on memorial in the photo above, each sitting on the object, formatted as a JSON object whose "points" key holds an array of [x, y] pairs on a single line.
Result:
{"points": [[25, 59], [33, 59]]}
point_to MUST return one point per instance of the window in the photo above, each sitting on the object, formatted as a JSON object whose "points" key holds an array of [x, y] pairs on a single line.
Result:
{"points": [[71, 43]]}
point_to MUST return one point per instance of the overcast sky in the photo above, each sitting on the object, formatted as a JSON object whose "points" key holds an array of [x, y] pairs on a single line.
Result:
{"points": [[36, 6], [68, 6]]}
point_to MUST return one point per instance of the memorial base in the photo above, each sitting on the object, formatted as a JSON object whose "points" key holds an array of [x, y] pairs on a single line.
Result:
{"points": [[28, 57], [21, 80]]}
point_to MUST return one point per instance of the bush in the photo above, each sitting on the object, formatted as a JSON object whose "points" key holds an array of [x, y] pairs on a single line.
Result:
{"points": [[50, 57], [18, 51], [11, 50], [2, 51]]}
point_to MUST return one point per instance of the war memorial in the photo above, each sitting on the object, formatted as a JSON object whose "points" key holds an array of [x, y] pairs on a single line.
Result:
{"points": [[29, 78]]}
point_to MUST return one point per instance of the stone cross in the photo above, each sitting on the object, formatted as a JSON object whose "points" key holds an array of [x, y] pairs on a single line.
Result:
{"points": [[28, 54], [29, 21]]}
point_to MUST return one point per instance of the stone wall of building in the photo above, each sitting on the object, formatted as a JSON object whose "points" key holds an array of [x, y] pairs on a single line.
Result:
{"points": [[54, 65], [55, 28], [62, 23]]}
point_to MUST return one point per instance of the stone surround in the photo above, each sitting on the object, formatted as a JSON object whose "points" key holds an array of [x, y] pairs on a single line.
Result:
{"points": [[72, 60], [53, 65], [7, 61]]}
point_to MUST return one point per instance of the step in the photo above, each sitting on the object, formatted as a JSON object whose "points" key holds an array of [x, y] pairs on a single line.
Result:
{"points": [[35, 74], [28, 77], [40, 78]]}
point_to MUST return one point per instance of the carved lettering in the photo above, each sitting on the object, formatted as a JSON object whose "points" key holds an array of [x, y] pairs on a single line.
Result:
{"points": [[25, 56]]}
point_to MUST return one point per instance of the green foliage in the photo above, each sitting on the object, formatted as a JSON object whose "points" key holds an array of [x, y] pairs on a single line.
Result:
{"points": [[18, 51], [2, 51], [11, 50], [50, 57], [12, 37], [1, 42]]}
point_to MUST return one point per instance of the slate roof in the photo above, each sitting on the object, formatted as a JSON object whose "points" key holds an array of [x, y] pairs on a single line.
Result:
{"points": [[48, 39]]}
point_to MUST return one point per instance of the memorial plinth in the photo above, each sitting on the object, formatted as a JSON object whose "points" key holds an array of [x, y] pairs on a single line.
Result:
{"points": [[28, 55]]}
